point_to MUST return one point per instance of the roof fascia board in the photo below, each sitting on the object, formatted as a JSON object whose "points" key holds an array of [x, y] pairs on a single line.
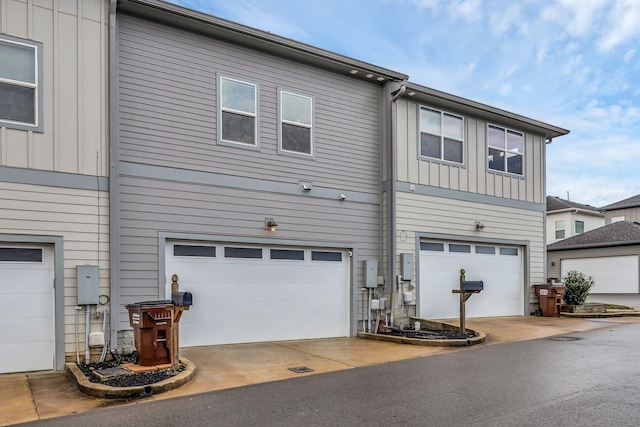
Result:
{"points": [[477, 109], [576, 210], [594, 245], [203, 23]]}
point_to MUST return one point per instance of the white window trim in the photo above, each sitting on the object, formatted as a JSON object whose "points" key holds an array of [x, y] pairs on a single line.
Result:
{"points": [[256, 115], [37, 47], [311, 99], [442, 136], [562, 228], [575, 227], [505, 150]]}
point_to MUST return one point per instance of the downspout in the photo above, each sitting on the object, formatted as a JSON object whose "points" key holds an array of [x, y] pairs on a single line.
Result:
{"points": [[391, 209], [114, 258]]}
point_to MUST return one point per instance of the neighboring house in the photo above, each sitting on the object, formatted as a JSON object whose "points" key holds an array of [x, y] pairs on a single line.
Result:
{"points": [[567, 219], [624, 210], [610, 254], [469, 193], [53, 175]]}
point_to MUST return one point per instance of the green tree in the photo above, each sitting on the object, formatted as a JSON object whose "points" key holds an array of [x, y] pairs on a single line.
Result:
{"points": [[577, 287]]}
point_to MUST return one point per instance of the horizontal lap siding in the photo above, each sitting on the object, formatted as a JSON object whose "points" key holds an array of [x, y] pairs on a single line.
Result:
{"points": [[426, 214], [148, 206], [168, 110], [81, 217]]}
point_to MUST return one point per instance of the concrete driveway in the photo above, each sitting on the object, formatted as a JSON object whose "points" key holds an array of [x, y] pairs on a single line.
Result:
{"points": [[48, 394]]}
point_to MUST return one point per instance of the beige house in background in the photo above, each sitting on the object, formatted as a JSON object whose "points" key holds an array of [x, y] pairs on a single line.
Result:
{"points": [[567, 219]]}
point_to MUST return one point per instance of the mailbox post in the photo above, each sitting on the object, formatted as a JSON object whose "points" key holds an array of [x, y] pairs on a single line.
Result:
{"points": [[467, 288]]}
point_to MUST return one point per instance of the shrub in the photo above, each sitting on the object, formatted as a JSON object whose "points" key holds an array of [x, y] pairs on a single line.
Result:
{"points": [[577, 287]]}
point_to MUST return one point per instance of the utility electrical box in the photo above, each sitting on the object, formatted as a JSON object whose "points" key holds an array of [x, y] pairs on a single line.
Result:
{"points": [[371, 273], [87, 284], [406, 261]]}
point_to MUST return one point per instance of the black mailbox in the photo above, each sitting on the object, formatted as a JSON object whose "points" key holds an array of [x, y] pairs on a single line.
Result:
{"points": [[472, 285], [182, 298]]}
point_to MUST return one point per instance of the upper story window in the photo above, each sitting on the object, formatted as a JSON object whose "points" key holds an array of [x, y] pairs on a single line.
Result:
{"points": [[237, 112], [579, 227], [559, 229], [20, 83], [441, 135], [296, 124], [506, 150]]}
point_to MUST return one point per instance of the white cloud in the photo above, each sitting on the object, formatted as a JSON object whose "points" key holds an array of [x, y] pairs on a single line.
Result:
{"points": [[504, 20], [467, 10], [622, 25]]}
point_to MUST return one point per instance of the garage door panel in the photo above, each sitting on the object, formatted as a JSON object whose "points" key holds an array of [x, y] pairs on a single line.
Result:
{"points": [[14, 306], [26, 308], [22, 357], [440, 274], [252, 300]]}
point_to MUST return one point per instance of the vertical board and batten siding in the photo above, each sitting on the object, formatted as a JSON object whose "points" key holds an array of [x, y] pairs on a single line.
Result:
{"points": [[473, 176], [147, 206], [630, 214], [74, 139], [74, 35], [168, 117], [427, 214], [168, 112], [81, 217]]}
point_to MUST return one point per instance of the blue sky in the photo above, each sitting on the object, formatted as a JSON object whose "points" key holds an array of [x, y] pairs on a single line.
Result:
{"points": [[571, 63]]}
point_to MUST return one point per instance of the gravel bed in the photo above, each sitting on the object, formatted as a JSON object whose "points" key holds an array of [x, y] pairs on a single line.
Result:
{"points": [[127, 380], [430, 334]]}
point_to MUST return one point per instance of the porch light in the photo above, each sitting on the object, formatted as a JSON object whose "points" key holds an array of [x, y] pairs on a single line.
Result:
{"points": [[270, 224]]}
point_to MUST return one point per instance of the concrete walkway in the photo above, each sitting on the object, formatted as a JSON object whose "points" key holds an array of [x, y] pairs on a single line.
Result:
{"points": [[48, 394]]}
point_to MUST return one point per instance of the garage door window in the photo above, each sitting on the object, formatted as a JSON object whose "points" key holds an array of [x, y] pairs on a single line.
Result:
{"points": [[488, 250], [287, 254], [509, 251], [465, 249], [194, 251], [20, 255], [432, 246], [326, 256], [233, 252]]}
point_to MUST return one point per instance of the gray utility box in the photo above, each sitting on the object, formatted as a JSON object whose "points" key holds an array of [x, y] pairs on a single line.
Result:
{"points": [[87, 284], [471, 285]]}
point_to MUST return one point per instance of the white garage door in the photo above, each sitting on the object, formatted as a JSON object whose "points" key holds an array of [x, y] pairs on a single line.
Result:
{"points": [[499, 267], [611, 275], [26, 308], [246, 293]]}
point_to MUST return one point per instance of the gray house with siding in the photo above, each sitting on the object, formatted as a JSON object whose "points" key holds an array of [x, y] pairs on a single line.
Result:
{"points": [[624, 210], [224, 131]]}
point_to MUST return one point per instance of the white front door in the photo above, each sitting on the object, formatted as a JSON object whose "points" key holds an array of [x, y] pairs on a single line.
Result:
{"points": [[26, 308], [498, 266], [245, 293]]}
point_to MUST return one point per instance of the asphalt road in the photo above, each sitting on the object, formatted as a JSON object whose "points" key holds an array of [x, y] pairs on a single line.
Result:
{"points": [[583, 379]]}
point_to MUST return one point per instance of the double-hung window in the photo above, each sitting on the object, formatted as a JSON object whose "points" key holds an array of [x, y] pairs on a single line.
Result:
{"points": [[559, 229], [506, 150], [20, 83], [296, 124], [579, 227], [237, 112], [441, 135]]}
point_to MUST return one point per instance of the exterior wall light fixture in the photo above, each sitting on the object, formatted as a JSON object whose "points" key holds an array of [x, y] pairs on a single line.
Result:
{"points": [[270, 224], [479, 226]]}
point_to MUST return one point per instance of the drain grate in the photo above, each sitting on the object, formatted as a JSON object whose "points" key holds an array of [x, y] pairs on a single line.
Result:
{"points": [[301, 370], [564, 338]]}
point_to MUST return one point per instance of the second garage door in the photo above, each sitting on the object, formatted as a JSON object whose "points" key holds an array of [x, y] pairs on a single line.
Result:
{"points": [[245, 293], [499, 267], [611, 275]]}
